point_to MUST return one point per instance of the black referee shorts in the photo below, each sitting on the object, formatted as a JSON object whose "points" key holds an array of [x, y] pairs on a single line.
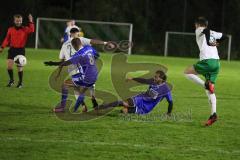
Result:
{"points": [[12, 52]]}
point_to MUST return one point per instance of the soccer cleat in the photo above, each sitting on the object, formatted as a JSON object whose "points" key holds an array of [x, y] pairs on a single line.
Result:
{"points": [[211, 120], [209, 86], [19, 85], [59, 109], [10, 84]]}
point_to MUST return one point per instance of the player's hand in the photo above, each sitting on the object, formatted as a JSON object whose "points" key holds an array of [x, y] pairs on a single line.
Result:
{"points": [[129, 79], [30, 18], [214, 44]]}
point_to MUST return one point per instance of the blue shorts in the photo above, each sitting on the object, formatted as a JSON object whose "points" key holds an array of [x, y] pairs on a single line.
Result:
{"points": [[80, 83], [142, 105]]}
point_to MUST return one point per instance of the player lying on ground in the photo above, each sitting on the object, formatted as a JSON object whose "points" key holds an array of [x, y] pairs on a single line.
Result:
{"points": [[68, 51], [145, 102], [85, 78], [208, 66]]}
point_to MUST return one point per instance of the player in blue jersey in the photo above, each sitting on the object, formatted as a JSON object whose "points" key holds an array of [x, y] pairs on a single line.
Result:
{"points": [[84, 60], [145, 102]]}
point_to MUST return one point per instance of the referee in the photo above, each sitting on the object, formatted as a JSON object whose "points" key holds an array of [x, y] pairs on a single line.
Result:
{"points": [[16, 39]]}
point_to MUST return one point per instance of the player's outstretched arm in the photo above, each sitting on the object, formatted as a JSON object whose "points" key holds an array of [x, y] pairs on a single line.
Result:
{"points": [[99, 42], [51, 63], [141, 80], [65, 63]]}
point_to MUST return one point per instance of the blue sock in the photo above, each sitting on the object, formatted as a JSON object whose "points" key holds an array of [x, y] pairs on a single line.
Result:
{"points": [[64, 96], [78, 102]]}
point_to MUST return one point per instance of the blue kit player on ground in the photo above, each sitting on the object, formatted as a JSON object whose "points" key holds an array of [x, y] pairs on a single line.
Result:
{"points": [[145, 102], [85, 61]]}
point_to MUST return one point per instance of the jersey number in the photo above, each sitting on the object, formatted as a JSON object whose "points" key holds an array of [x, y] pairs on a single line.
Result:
{"points": [[91, 59]]}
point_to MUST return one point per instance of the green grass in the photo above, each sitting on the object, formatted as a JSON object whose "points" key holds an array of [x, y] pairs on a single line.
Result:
{"points": [[29, 131]]}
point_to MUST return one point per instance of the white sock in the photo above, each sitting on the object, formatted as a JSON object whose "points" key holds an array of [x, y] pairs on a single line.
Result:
{"points": [[212, 101], [76, 93], [195, 79]]}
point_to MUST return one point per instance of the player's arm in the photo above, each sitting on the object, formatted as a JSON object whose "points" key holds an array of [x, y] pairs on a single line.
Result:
{"points": [[170, 103], [52, 63], [30, 28], [219, 37], [61, 57], [6, 40], [61, 65], [141, 80], [206, 31]]}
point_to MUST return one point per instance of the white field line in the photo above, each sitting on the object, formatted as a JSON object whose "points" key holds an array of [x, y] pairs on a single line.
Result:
{"points": [[9, 139]]}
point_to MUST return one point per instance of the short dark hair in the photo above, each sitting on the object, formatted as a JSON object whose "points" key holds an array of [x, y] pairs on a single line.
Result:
{"points": [[17, 16], [75, 42], [162, 75], [202, 21], [74, 30]]}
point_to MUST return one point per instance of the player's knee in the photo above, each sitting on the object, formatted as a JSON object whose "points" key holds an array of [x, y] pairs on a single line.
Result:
{"points": [[186, 71], [10, 65]]}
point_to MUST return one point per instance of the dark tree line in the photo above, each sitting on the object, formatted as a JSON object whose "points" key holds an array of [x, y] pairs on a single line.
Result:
{"points": [[151, 18]]}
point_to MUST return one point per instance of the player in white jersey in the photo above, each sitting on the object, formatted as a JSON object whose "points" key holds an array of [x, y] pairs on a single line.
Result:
{"points": [[208, 66], [67, 51]]}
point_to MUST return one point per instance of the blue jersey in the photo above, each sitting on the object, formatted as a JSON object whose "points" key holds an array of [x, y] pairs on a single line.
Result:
{"points": [[145, 102], [85, 60]]}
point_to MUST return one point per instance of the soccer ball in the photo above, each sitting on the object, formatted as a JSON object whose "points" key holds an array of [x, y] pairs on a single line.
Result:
{"points": [[20, 60]]}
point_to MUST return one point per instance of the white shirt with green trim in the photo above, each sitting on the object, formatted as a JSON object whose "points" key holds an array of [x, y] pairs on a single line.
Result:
{"points": [[206, 51]]}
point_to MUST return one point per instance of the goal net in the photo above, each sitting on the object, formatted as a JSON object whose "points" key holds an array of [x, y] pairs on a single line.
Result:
{"points": [[183, 44], [49, 32]]}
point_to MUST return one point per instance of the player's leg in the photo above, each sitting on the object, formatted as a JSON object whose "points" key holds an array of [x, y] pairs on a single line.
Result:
{"points": [[76, 94], [214, 66], [20, 76], [192, 74], [20, 51], [64, 96], [110, 105], [80, 99], [93, 98], [128, 106], [10, 64]]}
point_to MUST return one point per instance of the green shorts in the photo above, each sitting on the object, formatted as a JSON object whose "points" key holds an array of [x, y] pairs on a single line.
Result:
{"points": [[209, 68]]}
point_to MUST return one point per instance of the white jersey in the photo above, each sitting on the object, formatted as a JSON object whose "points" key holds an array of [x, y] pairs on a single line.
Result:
{"points": [[206, 51], [67, 51]]}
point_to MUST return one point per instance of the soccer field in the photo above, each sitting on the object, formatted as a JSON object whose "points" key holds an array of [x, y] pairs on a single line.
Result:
{"points": [[30, 131]]}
